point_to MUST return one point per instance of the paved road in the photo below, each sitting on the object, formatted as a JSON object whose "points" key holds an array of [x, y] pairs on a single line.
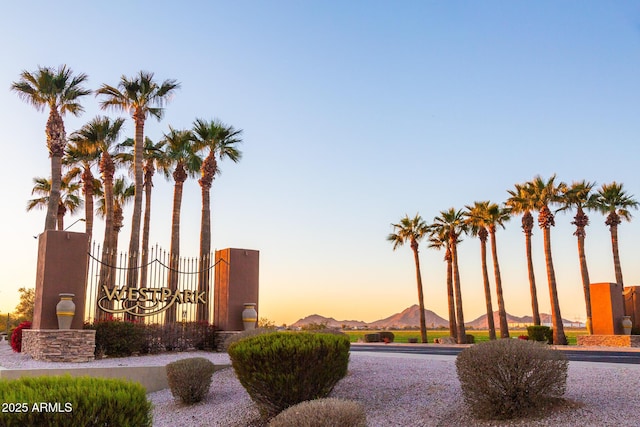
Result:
{"points": [[604, 356]]}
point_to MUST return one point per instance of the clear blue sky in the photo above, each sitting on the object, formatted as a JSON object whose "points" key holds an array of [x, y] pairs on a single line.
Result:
{"points": [[354, 113]]}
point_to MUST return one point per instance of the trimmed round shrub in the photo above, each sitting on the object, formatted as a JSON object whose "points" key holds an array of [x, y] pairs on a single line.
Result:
{"points": [[508, 378], [282, 369], [386, 335], [190, 379], [329, 412], [539, 333], [375, 337], [16, 336], [246, 334]]}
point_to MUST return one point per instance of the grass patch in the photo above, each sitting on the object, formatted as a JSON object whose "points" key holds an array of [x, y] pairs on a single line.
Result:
{"points": [[403, 336]]}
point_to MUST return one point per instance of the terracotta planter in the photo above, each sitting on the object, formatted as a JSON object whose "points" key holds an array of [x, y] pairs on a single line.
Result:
{"points": [[65, 310]]}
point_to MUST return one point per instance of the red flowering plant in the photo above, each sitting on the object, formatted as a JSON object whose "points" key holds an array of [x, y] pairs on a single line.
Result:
{"points": [[16, 336]]}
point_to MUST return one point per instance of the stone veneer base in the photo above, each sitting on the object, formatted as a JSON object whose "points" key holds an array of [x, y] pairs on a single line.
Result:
{"points": [[609, 340], [59, 345]]}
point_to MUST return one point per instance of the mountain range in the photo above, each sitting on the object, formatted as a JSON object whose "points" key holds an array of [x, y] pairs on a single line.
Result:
{"points": [[410, 318]]}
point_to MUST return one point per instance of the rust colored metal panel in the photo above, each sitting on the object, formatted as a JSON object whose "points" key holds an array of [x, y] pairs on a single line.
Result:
{"points": [[236, 283], [607, 308], [62, 268], [631, 296]]}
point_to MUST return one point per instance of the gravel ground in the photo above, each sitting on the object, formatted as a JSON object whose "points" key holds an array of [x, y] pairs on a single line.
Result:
{"points": [[396, 391]]}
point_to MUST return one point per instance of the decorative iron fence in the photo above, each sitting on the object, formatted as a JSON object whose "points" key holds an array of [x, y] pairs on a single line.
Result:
{"points": [[165, 290]]}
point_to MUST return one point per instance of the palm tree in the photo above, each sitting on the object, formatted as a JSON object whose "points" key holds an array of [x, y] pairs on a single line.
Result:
{"points": [[614, 202], [81, 162], [96, 140], [121, 193], [543, 194], [521, 202], [180, 161], [59, 90], [497, 216], [452, 223], [580, 196], [218, 141], [153, 154], [412, 230], [476, 218], [438, 239], [69, 200], [142, 97]]}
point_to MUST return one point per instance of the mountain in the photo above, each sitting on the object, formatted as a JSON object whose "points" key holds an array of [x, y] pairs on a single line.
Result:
{"points": [[513, 321], [329, 321], [410, 317]]}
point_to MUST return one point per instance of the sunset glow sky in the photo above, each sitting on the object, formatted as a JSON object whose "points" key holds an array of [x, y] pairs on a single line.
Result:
{"points": [[354, 113]]}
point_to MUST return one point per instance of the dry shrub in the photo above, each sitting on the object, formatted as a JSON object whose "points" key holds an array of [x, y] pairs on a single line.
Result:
{"points": [[510, 378], [329, 412], [190, 379]]}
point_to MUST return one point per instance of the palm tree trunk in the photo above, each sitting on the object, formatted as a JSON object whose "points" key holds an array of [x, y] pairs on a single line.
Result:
{"points": [[423, 325], [205, 250], [616, 256], [56, 141], [487, 289], [170, 316], [87, 178], [134, 242], [148, 185], [462, 334], [527, 225], [502, 312], [556, 318], [585, 281], [453, 325]]}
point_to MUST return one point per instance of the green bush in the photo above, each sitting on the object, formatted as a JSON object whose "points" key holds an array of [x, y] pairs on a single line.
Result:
{"points": [[549, 336], [509, 378], [282, 369], [117, 338], [66, 401], [471, 339], [246, 334], [327, 412], [190, 379], [539, 333], [375, 337], [388, 335]]}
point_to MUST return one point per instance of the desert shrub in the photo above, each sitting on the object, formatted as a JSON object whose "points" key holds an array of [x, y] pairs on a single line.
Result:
{"points": [[245, 334], [189, 379], [181, 336], [372, 337], [539, 333], [117, 338], [509, 378], [282, 369], [16, 336], [81, 401], [388, 335], [314, 326], [327, 412]]}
